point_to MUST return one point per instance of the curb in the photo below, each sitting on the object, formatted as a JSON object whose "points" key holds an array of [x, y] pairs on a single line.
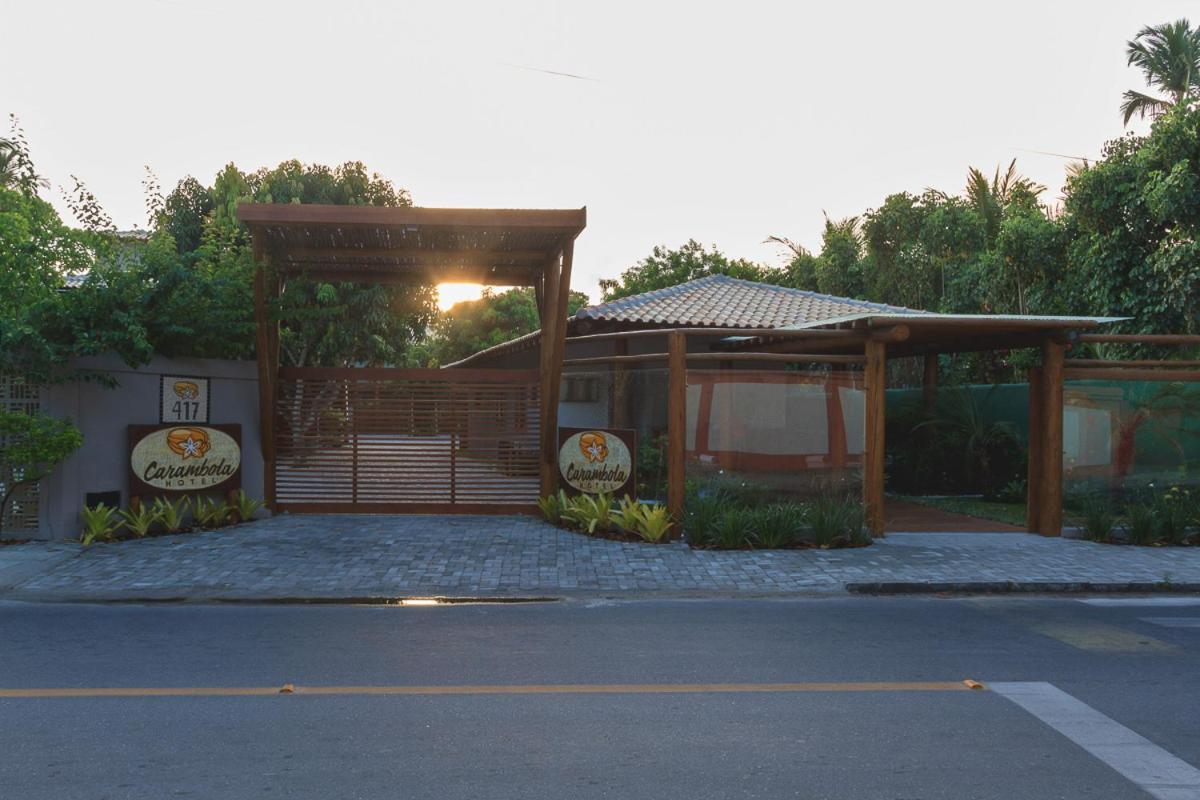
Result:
{"points": [[1022, 587]]}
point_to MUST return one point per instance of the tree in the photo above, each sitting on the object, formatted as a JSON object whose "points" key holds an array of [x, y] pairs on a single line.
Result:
{"points": [[665, 267], [992, 199], [1169, 57], [495, 318], [31, 445], [1133, 219], [16, 167]]}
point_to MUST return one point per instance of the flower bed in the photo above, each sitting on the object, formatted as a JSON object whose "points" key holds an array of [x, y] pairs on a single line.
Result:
{"points": [[716, 519], [164, 517], [1148, 518]]}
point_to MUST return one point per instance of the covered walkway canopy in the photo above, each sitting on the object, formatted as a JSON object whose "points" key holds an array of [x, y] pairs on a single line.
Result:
{"points": [[409, 245]]}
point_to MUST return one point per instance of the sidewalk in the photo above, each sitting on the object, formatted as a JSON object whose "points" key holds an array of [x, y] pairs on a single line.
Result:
{"points": [[359, 557]]}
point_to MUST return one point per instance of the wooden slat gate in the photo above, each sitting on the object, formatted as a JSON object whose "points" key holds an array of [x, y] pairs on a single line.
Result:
{"points": [[396, 440]]}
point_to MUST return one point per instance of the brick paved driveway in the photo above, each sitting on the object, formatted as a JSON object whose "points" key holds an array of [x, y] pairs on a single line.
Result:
{"points": [[344, 556]]}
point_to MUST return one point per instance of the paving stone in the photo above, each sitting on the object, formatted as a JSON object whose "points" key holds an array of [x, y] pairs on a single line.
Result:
{"points": [[383, 556]]}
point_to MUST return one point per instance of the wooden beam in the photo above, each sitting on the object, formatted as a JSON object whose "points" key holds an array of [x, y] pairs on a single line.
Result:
{"points": [[1149, 362], [816, 333], [1037, 424], [786, 358], [572, 220], [407, 255], [892, 333], [420, 276], [676, 424], [1140, 338], [1050, 491], [875, 388], [1097, 374]]}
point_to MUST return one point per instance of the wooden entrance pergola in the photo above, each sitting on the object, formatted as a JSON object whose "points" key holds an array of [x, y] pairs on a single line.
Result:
{"points": [[422, 246]]}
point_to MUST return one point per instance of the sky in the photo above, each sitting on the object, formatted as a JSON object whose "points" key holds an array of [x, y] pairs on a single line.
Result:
{"points": [[721, 122]]}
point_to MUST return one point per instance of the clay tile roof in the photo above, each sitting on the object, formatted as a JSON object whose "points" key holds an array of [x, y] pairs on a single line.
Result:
{"points": [[721, 301]]}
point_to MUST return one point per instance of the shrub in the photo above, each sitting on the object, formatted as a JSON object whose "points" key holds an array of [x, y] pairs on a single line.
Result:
{"points": [[651, 523], [701, 513], [552, 506], [211, 513], [837, 519], [32, 445], [1173, 514], [734, 528], [591, 513], [99, 523], [139, 522], [778, 525], [1097, 517], [1142, 523], [245, 506], [171, 513]]}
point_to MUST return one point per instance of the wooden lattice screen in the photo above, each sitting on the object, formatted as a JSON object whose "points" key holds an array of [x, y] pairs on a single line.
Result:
{"points": [[391, 440], [22, 512]]}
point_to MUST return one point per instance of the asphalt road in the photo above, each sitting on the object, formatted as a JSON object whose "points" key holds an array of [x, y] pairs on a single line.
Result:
{"points": [[827, 698]]}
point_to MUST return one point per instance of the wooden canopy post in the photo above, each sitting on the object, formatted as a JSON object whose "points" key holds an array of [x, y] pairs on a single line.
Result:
{"points": [[676, 422], [1050, 479], [1037, 429], [554, 333], [875, 386], [929, 379], [266, 346]]}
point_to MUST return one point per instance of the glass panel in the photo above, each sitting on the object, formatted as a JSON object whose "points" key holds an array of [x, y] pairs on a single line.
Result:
{"points": [[782, 432], [1130, 437], [623, 397]]}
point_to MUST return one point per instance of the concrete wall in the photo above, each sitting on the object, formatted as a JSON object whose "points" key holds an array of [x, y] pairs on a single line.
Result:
{"points": [[102, 415]]}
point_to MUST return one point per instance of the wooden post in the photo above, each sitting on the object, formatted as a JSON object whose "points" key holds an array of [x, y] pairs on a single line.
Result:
{"points": [[554, 332], [266, 349], [1050, 481], [676, 422], [929, 379], [1033, 482], [619, 388], [875, 386]]}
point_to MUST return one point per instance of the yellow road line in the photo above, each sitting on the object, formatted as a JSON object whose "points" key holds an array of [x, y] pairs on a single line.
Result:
{"points": [[489, 689]]}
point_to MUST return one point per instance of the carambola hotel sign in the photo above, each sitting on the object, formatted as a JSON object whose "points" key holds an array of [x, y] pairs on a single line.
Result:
{"points": [[184, 458]]}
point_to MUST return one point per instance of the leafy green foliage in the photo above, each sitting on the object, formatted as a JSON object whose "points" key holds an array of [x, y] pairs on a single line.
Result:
{"points": [[1169, 57], [245, 506], [650, 522], [778, 525], [591, 513], [99, 523], [139, 521], [31, 445], [837, 519], [210, 512], [552, 506], [666, 267], [1097, 516], [171, 513], [495, 318]]}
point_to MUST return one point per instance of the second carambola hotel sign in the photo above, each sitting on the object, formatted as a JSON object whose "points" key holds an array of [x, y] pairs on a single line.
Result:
{"points": [[184, 458], [597, 461]]}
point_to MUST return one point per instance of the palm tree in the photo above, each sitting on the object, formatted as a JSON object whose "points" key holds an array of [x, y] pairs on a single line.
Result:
{"points": [[1169, 56], [990, 198], [9, 164]]}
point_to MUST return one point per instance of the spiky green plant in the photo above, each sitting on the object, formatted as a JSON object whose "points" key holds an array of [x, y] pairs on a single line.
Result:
{"points": [[650, 523], [99, 523], [211, 513], [1097, 517], [171, 513], [139, 521], [734, 529], [837, 519], [778, 525], [244, 506], [591, 513]]}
